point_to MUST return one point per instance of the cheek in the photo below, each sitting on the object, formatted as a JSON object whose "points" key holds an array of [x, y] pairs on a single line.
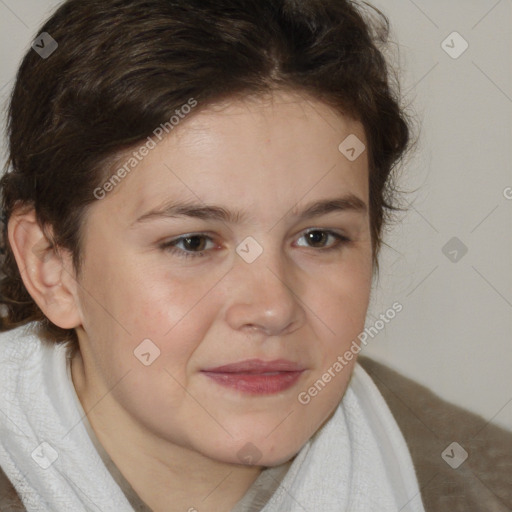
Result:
{"points": [[339, 303], [174, 313], [177, 312], [142, 297], [342, 294]]}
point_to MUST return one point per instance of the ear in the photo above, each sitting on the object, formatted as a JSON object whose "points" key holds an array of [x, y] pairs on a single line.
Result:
{"points": [[47, 273]]}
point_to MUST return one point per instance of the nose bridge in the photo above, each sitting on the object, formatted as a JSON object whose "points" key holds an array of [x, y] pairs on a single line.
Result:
{"points": [[261, 294]]}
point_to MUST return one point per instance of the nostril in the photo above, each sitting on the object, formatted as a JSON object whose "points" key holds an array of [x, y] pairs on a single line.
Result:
{"points": [[252, 328]]}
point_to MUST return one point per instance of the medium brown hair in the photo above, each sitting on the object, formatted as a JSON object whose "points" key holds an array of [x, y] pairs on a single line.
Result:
{"points": [[123, 67]]}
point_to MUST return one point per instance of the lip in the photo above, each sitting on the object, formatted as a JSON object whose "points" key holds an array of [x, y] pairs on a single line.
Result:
{"points": [[255, 376], [257, 366]]}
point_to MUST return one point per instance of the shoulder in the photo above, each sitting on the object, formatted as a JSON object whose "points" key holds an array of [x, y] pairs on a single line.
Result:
{"points": [[9, 499], [430, 425], [16, 344], [20, 351]]}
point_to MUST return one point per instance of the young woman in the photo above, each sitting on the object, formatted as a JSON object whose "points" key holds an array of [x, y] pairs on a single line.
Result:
{"points": [[194, 199]]}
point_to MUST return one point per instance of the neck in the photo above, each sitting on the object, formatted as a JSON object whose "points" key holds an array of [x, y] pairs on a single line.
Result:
{"points": [[166, 476]]}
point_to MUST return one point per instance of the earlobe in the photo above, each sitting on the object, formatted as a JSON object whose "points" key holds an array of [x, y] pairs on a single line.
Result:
{"points": [[47, 273]]}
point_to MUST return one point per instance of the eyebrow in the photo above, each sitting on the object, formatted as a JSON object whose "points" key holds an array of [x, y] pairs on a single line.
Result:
{"points": [[349, 202]]}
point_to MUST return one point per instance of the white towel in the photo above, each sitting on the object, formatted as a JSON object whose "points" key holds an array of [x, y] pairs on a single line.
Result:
{"points": [[357, 462]]}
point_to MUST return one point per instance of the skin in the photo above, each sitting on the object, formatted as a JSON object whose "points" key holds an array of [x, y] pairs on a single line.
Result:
{"points": [[171, 430]]}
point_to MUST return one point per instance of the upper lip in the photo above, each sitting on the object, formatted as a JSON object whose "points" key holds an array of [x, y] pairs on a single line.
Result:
{"points": [[257, 366]]}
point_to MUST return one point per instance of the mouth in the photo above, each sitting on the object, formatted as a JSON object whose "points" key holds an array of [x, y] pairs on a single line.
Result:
{"points": [[255, 376]]}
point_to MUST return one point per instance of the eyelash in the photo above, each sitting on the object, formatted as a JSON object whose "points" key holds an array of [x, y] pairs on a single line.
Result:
{"points": [[170, 246]]}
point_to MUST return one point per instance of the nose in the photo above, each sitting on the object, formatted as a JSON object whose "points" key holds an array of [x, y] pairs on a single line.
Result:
{"points": [[262, 297]]}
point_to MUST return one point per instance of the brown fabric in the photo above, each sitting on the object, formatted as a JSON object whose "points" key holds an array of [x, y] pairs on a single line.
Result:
{"points": [[482, 483], [9, 500]]}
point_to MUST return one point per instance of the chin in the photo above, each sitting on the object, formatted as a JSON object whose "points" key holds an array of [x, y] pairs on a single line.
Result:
{"points": [[260, 453]]}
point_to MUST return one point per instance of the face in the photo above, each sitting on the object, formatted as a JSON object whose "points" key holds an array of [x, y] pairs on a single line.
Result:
{"points": [[225, 275]]}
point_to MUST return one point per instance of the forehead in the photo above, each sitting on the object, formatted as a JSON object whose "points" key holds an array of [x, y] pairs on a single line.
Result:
{"points": [[277, 148], [288, 119]]}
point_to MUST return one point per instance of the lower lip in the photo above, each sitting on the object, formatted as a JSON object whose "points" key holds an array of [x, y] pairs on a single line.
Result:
{"points": [[256, 383]]}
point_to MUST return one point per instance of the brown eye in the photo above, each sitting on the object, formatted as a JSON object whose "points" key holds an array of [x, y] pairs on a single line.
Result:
{"points": [[189, 245], [322, 239], [317, 238], [194, 243]]}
